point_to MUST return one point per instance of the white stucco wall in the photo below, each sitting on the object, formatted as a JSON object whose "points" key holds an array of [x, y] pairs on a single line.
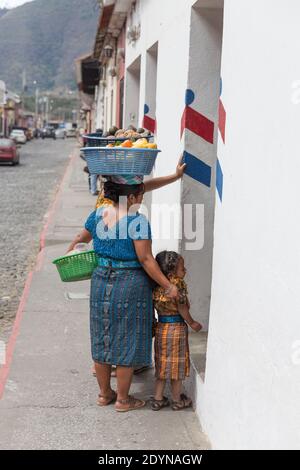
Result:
{"points": [[250, 398], [204, 80], [110, 96], [183, 41], [167, 22]]}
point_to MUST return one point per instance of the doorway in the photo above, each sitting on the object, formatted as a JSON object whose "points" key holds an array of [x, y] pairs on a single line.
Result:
{"points": [[132, 93]]}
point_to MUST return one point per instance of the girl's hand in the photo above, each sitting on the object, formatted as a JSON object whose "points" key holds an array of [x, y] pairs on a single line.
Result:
{"points": [[180, 168], [196, 326]]}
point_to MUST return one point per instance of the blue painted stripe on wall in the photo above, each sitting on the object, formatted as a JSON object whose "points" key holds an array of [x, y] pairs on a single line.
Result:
{"points": [[219, 180], [197, 169]]}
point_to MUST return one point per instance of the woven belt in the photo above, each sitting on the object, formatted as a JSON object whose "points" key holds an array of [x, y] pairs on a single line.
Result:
{"points": [[117, 264], [170, 319]]}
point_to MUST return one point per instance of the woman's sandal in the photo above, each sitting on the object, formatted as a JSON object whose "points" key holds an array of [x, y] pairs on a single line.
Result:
{"points": [[184, 402], [157, 405], [105, 401], [132, 404]]}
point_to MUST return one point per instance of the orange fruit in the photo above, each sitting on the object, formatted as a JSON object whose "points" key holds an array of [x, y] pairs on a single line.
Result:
{"points": [[152, 146], [127, 144]]}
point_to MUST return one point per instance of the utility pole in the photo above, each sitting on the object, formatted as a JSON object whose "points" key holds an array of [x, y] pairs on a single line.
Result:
{"points": [[2, 106], [47, 109], [36, 106], [24, 81]]}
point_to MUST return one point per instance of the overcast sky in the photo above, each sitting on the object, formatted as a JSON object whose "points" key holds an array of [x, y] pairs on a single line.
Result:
{"points": [[12, 3]]}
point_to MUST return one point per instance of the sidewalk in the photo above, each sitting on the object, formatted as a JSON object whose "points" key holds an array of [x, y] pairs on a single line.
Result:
{"points": [[50, 397]]}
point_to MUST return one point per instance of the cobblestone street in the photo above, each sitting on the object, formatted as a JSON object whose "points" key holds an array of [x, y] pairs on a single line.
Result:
{"points": [[27, 191]]}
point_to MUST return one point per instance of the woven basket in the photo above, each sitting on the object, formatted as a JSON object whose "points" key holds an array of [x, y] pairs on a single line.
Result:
{"points": [[120, 160], [77, 267]]}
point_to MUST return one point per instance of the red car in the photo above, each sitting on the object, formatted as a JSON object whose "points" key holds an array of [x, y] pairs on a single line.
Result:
{"points": [[9, 152]]}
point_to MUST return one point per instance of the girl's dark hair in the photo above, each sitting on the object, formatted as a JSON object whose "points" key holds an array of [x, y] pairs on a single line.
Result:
{"points": [[167, 261], [113, 191]]}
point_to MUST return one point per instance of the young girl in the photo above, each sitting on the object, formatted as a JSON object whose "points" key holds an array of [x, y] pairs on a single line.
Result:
{"points": [[172, 359]]}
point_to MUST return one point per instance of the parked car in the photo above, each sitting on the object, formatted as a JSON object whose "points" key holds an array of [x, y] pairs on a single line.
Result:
{"points": [[26, 131], [60, 133], [18, 136], [48, 133], [9, 152], [71, 132]]}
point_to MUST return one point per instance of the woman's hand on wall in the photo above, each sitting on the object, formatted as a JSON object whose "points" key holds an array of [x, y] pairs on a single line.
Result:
{"points": [[180, 168], [161, 181]]}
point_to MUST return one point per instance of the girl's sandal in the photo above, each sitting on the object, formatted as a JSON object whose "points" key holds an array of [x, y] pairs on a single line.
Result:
{"points": [[184, 402], [105, 401], [130, 404], [157, 405]]}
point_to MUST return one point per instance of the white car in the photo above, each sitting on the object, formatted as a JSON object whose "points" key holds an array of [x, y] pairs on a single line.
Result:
{"points": [[71, 132], [18, 136], [60, 133]]}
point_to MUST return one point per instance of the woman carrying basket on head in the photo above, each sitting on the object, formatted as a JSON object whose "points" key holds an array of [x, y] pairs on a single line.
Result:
{"points": [[121, 307]]}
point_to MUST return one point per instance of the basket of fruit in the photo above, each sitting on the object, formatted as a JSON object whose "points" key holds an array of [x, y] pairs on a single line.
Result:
{"points": [[76, 267], [128, 158], [115, 135]]}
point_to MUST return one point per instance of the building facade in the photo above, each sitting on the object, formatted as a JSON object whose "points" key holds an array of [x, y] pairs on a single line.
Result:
{"points": [[10, 109], [218, 84]]}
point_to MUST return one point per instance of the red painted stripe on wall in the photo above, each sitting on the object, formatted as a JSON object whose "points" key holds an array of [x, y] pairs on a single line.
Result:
{"points": [[149, 124], [198, 124], [222, 120]]}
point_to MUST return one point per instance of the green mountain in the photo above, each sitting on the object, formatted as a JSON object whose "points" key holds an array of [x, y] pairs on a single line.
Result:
{"points": [[40, 40]]}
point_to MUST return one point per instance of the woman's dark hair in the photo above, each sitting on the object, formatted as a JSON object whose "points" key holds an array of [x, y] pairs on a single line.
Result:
{"points": [[167, 261], [113, 191]]}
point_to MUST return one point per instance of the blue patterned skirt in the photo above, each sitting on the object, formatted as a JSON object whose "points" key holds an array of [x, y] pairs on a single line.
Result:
{"points": [[121, 313]]}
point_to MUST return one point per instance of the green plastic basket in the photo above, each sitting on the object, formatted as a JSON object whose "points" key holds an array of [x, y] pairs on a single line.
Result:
{"points": [[78, 267]]}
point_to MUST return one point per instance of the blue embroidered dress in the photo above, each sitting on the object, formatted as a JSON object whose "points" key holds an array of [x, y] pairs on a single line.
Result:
{"points": [[121, 306], [117, 242]]}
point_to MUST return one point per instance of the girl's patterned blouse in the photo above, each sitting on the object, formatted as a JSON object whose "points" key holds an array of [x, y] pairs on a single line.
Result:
{"points": [[165, 304]]}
